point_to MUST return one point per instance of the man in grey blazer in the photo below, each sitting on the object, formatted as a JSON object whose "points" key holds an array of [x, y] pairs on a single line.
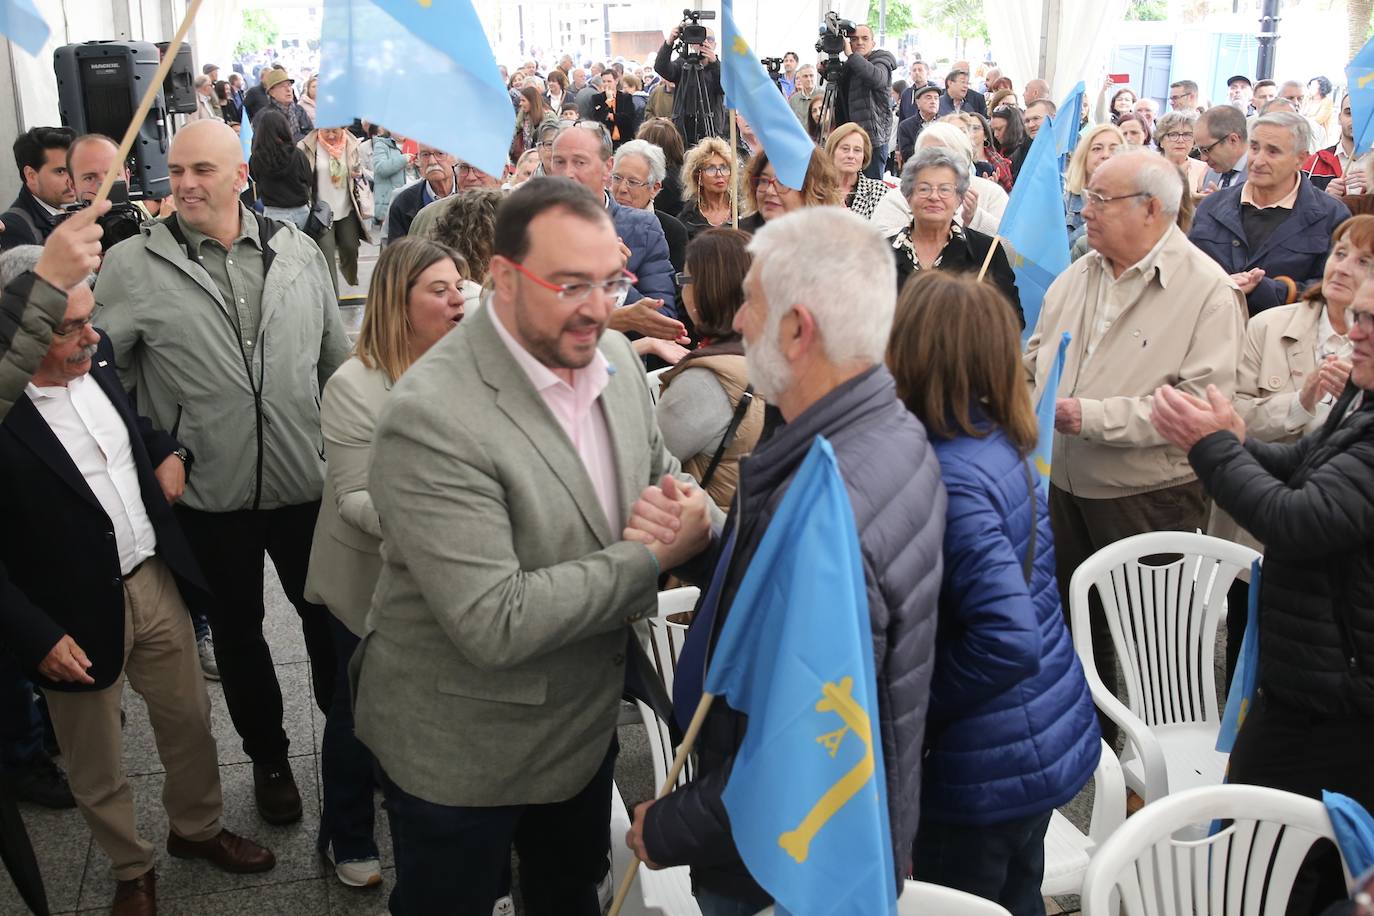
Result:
{"points": [[504, 469]]}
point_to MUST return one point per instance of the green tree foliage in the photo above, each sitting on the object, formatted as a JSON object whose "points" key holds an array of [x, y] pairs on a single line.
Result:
{"points": [[899, 18], [259, 32], [1148, 10], [960, 19]]}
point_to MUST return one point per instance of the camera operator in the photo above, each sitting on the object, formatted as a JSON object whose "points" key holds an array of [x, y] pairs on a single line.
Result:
{"points": [[691, 110], [88, 159], [866, 93]]}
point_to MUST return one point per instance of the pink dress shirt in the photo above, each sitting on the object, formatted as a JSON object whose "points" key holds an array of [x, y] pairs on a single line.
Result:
{"points": [[577, 408]]}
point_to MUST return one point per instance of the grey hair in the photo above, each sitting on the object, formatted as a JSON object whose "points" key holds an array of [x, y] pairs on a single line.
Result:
{"points": [[935, 157], [658, 163], [1155, 177], [1292, 122], [18, 261], [793, 271], [603, 135], [950, 137]]}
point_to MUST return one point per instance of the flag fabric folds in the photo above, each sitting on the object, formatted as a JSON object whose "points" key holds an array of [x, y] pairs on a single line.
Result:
{"points": [[246, 136], [1241, 693], [1044, 418], [1354, 829], [807, 796], [421, 69], [1359, 77], [749, 90], [22, 24], [1069, 121], [1033, 225]]}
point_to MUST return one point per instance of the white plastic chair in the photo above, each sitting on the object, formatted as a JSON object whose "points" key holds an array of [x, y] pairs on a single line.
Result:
{"points": [[1247, 869], [665, 645], [654, 380], [1067, 849], [921, 899], [667, 892], [1163, 621]]}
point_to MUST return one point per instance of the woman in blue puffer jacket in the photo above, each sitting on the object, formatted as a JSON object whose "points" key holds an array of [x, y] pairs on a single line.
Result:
{"points": [[1011, 733]]}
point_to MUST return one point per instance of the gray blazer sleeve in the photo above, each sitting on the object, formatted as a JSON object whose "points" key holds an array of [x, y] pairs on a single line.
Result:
{"points": [[29, 311], [349, 422]]}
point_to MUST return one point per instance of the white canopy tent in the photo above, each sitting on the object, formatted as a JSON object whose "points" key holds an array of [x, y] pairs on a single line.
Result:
{"points": [[1074, 47]]}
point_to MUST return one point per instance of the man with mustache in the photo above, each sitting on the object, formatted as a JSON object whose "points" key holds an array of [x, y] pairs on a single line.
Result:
{"points": [[439, 179], [83, 471], [502, 621]]}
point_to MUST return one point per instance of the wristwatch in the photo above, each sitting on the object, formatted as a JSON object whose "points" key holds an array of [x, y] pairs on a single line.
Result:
{"points": [[182, 454]]}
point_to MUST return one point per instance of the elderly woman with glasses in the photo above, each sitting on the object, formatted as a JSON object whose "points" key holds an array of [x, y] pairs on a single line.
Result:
{"points": [[934, 182], [636, 179], [706, 191], [1174, 137], [769, 198]]}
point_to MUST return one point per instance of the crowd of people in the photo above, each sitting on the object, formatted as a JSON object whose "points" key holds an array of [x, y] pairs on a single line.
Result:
{"points": [[473, 506]]}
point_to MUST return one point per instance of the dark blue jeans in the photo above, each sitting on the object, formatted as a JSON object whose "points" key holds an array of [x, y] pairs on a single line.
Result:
{"points": [[21, 725], [878, 162], [1003, 862], [456, 860], [347, 769]]}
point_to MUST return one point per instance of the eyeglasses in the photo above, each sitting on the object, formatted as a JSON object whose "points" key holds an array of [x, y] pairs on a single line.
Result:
{"points": [[1207, 150], [716, 171], [545, 144], [683, 279], [634, 184], [466, 169], [1094, 199], [72, 328], [942, 191], [617, 288], [1175, 136], [764, 183], [1179, 98], [429, 154], [1361, 319]]}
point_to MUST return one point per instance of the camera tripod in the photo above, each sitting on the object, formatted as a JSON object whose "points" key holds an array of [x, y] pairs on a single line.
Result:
{"points": [[698, 114], [830, 101]]}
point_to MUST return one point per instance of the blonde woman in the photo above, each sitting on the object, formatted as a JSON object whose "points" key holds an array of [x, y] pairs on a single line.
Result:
{"points": [[706, 186], [769, 198], [1096, 145], [413, 301], [850, 151]]}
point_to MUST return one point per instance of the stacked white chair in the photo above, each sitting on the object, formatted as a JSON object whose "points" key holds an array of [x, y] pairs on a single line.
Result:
{"points": [[654, 380], [1068, 849], [1163, 621], [1156, 864]]}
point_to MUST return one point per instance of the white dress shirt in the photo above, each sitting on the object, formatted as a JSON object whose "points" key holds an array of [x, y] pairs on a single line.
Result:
{"points": [[91, 430]]}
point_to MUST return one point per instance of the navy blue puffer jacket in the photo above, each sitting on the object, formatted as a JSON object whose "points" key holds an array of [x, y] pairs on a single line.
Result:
{"points": [[1011, 730]]}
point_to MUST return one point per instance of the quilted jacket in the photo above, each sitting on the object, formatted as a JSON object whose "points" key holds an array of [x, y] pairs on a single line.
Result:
{"points": [[1011, 729], [894, 487]]}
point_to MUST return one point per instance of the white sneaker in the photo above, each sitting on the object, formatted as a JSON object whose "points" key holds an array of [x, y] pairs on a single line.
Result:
{"points": [[205, 648], [504, 907], [358, 872]]}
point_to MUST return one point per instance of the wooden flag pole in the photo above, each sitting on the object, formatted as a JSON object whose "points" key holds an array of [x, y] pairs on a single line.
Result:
{"points": [[149, 96], [992, 250], [688, 741], [734, 178]]}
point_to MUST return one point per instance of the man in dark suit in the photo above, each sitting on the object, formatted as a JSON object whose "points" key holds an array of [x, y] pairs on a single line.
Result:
{"points": [[438, 179], [959, 97], [83, 471], [615, 109], [920, 78], [40, 155]]}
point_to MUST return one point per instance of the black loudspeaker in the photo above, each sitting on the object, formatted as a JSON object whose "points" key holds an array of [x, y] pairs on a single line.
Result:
{"points": [[179, 88], [99, 86]]}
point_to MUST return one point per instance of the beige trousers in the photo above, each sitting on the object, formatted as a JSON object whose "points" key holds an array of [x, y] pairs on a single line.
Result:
{"points": [[161, 664]]}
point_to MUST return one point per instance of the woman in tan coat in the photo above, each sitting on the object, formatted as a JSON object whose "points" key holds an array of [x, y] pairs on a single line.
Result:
{"points": [[1294, 365], [708, 413]]}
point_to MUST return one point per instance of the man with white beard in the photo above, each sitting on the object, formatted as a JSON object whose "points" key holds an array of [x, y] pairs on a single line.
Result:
{"points": [[819, 360]]}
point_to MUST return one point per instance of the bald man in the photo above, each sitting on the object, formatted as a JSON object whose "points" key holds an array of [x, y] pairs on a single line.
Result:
{"points": [[227, 325], [1035, 91]]}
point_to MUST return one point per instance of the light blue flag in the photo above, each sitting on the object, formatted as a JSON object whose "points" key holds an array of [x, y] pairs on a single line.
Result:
{"points": [[1033, 225], [1359, 78], [1240, 695], [807, 797], [750, 90], [21, 23], [246, 136], [1044, 417], [421, 68], [1069, 121], [1354, 829]]}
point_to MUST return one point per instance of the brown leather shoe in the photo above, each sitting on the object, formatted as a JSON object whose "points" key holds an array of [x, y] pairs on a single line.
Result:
{"points": [[274, 789], [226, 851], [137, 897]]}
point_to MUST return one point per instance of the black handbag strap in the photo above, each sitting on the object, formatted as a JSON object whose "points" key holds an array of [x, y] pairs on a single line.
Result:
{"points": [[1029, 559], [746, 400]]}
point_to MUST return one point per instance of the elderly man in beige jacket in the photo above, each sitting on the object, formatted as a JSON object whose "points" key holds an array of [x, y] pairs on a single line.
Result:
{"points": [[1145, 309]]}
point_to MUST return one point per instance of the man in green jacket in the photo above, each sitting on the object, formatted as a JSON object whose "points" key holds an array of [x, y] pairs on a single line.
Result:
{"points": [[227, 327]]}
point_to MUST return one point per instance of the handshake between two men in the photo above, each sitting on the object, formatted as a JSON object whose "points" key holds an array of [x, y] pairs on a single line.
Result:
{"points": [[673, 520]]}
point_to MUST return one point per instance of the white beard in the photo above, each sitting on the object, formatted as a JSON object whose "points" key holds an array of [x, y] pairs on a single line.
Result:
{"points": [[769, 371]]}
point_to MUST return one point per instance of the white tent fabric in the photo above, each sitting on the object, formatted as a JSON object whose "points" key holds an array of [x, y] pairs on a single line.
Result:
{"points": [[1084, 42]]}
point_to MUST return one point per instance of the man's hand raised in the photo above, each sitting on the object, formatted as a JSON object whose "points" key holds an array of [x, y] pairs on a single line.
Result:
{"points": [[73, 249], [672, 520]]}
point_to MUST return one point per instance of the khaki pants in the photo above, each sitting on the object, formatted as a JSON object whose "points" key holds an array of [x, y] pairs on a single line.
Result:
{"points": [[161, 664]]}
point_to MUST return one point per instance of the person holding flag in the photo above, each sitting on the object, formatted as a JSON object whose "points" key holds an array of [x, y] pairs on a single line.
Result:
{"points": [[762, 820], [1145, 308], [1011, 733]]}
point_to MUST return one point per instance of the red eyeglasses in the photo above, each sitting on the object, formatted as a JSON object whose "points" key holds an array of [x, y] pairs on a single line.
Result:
{"points": [[618, 288]]}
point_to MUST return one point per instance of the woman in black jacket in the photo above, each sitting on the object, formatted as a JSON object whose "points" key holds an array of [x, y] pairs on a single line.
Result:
{"points": [[280, 170]]}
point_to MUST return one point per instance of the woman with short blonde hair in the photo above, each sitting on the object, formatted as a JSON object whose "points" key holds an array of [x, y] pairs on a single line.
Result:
{"points": [[769, 198], [1095, 146], [850, 150]]}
